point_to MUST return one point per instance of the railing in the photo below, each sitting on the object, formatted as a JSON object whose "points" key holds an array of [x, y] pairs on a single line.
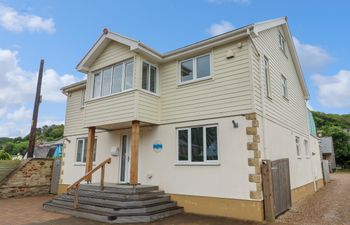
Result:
{"points": [[76, 185]]}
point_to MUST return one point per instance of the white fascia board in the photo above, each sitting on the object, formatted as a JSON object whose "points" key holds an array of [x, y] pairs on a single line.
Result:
{"points": [[265, 25]]}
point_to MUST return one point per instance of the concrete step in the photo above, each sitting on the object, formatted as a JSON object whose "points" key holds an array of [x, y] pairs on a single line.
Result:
{"points": [[118, 203], [119, 188], [118, 196], [116, 210], [113, 218]]}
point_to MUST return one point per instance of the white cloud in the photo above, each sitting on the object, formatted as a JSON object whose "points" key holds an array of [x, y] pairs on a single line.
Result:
{"points": [[312, 58], [333, 91], [219, 28], [230, 1], [12, 20], [20, 114], [17, 90]]}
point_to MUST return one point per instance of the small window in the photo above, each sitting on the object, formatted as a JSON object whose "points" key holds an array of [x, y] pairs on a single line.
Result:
{"points": [[97, 85], [282, 43], [81, 150], [82, 98], [198, 144], [284, 86], [297, 144], [306, 147], [195, 69], [149, 77], [267, 77]]}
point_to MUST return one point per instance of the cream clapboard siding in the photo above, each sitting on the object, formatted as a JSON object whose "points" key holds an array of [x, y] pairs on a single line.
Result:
{"points": [[74, 121], [292, 112], [227, 93], [112, 109], [148, 106]]}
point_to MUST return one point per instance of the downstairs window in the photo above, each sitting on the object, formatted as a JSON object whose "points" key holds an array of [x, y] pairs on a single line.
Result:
{"points": [[81, 150]]}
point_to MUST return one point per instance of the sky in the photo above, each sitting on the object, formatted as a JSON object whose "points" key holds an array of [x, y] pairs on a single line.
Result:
{"points": [[61, 33]]}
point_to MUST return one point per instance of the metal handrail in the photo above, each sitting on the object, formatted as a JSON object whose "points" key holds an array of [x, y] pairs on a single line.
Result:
{"points": [[76, 185]]}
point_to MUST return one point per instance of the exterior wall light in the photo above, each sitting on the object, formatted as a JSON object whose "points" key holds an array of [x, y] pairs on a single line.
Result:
{"points": [[235, 124]]}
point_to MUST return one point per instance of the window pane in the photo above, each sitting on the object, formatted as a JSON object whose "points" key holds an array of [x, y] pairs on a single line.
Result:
{"points": [[79, 150], [183, 145], [97, 85], [106, 81], [84, 150], [117, 78], [197, 144], [129, 72], [187, 70], [212, 144], [94, 157], [145, 69], [203, 66], [153, 80]]}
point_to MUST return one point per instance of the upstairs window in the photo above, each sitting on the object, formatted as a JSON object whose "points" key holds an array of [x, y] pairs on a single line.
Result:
{"points": [[282, 43], [284, 87], [267, 77], [306, 147], [113, 79], [197, 144], [297, 144], [196, 68], [81, 150], [149, 77], [82, 98]]}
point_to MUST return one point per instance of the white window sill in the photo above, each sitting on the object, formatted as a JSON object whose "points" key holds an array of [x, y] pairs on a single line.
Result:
{"points": [[149, 92], [109, 96], [82, 164], [197, 164], [194, 81], [299, 157]]}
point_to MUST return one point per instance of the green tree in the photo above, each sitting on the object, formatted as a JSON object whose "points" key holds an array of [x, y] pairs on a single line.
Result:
{"points": [[4, 155]]}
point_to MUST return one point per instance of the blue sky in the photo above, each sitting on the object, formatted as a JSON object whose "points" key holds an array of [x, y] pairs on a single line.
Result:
{"points": [[61, 32]]}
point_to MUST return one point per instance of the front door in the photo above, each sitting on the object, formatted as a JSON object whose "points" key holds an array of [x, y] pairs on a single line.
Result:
{"points": [[124, 159]]}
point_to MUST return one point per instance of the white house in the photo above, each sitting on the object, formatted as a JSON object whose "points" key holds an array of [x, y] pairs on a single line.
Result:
{"points": [[196, 121]]}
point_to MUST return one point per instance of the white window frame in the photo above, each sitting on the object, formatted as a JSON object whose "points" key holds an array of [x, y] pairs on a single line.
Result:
{"points": [[82, 98], [85, 140], [149, 77], [284, 86], [282, 42], [189, 144], [297, 146], [124, 63], [267, 77], [307, 149], [194, 63]]}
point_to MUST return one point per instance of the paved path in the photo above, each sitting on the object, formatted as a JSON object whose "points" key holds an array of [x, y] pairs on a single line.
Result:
{"points": [[329, 206]]}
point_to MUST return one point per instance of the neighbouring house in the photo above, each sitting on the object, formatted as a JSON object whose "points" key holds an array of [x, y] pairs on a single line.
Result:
{"points": [[196, 121], [327, 150], [51, 149]]}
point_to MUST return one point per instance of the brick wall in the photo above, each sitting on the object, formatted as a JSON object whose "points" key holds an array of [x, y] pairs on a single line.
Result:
{"points": [[32, 177]]}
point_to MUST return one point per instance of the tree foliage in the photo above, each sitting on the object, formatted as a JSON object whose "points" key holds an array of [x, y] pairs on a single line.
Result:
{"points": [[19, 145], [334, 125]]}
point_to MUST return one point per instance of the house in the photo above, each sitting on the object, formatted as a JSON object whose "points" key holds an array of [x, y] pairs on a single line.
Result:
{"points": [[327, 150], [196, 121]]}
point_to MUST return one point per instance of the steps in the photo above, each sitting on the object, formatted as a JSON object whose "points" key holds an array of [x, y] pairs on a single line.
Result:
{"points": [[116, 204]]}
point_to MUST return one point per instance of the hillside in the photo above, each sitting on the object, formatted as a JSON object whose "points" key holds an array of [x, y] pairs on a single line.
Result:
{"points": [[334, 125], [13, 146]]}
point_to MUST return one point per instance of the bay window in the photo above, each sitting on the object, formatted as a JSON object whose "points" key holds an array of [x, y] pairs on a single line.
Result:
{"points": [[113, 79], [197, 144]]}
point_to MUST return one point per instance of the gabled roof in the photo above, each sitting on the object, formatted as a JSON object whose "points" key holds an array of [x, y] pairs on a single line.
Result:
{"points": [[139, 47]]}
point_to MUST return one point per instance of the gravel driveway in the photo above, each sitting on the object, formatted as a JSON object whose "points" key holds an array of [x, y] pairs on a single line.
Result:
{"points": [[329, 206]]}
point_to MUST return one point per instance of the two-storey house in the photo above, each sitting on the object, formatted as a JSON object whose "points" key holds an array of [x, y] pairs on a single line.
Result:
{"points": [[196, 121]]}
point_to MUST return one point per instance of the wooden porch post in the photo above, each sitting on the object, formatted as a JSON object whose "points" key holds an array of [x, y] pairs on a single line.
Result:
{"points": [[90, 152], [135, 136]]}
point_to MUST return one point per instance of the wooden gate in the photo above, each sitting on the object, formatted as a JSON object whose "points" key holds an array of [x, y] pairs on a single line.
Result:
{"points": [[276, 187]]}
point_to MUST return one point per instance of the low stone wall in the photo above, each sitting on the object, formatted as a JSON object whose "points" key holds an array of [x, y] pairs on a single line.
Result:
{"points": [[32, 177]]}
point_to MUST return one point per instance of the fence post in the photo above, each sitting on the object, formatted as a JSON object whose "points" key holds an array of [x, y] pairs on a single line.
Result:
{"points": [[269, 205]]}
